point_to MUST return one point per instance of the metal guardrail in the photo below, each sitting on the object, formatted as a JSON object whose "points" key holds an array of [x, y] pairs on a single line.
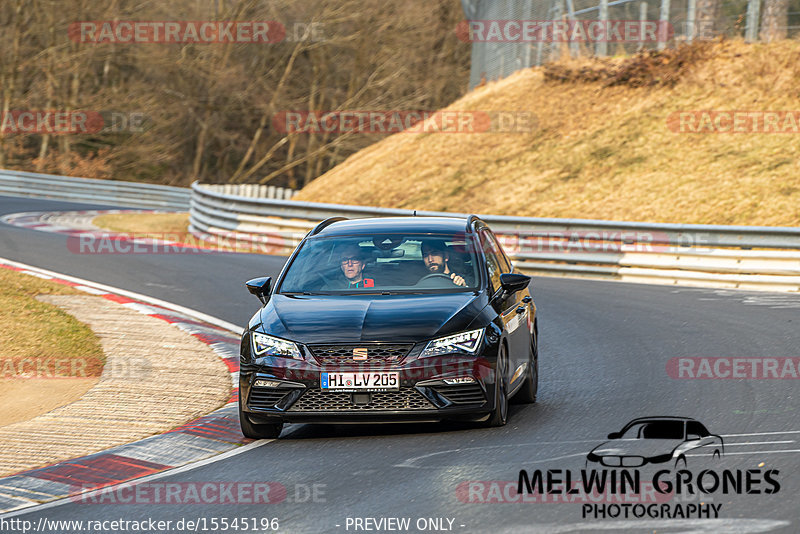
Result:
{"points": [[112, 192], [253, 190], [693, 254]]}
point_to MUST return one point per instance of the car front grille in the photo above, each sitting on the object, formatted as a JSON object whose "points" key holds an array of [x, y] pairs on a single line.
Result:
{"points": [[375, 353], [622, 461], [462, 393], [315, 400], [267, 397]]}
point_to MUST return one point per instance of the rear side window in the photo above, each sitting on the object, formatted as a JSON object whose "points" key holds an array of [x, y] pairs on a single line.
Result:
{"points": [[696, 428], [494, 259], [505, 263]]}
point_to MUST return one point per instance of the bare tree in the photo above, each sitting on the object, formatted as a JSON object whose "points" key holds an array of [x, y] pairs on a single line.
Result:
{"points": [[775, 20], [210, 107]]}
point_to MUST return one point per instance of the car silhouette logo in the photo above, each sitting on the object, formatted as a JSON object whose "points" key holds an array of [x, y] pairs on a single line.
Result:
{"points": [[657, 440], [360, 353]]}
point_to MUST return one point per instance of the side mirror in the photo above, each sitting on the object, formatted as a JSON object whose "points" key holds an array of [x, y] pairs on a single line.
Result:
{"points": [[614, 435], [260, 287], [692, 437], [512, 282]]}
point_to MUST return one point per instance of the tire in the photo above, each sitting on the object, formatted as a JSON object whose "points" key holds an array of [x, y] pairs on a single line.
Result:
{"points": [[527, 393], [499, 416], [680, 463], [261, 431]]}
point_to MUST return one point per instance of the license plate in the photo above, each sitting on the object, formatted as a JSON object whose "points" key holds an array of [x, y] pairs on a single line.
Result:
{"points": [[360, 381]]}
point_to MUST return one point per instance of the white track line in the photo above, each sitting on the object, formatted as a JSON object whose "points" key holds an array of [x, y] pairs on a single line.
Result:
{"points": [[130, 294], [757, 443], [761, 433]]}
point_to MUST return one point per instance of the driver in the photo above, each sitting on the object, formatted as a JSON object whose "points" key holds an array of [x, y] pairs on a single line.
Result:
{"points": [[351, 260], [435, 256]]}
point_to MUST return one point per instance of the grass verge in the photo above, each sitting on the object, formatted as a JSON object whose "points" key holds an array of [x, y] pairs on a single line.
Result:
{"points": [[172, 223], [47, 357]]}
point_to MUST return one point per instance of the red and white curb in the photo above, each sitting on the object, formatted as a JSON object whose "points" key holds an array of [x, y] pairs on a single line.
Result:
{"points": [[83, 237], [191, 444], [63, 222]]}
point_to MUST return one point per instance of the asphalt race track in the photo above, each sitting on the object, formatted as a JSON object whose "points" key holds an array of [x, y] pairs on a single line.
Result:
{"points": [[604, 349]]}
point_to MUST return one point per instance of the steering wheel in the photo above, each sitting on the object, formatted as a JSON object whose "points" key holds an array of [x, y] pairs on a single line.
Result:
{"points": [[435, 275]]}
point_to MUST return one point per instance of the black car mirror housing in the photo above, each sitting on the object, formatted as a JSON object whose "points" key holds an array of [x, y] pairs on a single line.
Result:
{"points": [[513, 282], [614, 435], [260, 287]]}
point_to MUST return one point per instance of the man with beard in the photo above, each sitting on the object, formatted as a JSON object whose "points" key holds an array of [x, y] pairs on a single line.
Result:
{"points": [[436, 257]]}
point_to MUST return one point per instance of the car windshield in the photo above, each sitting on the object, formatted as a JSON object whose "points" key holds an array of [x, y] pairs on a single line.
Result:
{"points": [[386, 263], [655, 430]]}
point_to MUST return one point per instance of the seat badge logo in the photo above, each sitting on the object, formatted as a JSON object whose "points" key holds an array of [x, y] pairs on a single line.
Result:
{"points": [[360, 353]]}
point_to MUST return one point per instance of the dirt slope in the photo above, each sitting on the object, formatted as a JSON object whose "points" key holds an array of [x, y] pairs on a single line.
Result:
{"points": [[602, 147]]}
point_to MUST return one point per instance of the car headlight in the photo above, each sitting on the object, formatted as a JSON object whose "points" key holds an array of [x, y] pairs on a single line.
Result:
{"points": [[465, 343], [273, 346]]}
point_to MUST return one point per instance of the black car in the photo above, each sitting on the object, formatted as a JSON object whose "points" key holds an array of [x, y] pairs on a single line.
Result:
{"points": [[389, 320], [657, 440]]}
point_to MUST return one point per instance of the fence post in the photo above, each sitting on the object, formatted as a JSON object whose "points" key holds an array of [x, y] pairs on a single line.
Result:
{"points": [[751, 31], [642, 23], [691, 17], [663, 24], [602, 45], [573, 46]]}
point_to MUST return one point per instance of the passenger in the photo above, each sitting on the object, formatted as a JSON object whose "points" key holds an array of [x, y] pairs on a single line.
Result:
{"points": [[351, 260], [436, 258]]}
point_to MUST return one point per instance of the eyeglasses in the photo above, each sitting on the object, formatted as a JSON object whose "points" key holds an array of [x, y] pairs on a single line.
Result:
{"points": [[350, 260]]}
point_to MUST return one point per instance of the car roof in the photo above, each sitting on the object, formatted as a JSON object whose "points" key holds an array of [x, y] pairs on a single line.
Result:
{"points": [[660, 418], [371, 226]]}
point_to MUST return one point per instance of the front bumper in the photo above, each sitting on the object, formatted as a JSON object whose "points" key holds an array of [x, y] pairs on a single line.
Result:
{"points": [[423, 396]]}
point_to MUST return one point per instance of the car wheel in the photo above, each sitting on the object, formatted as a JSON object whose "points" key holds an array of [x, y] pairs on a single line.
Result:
{"points": [[680, 463], [527, 393], [499, 415], [715, 456], [260, 431]]}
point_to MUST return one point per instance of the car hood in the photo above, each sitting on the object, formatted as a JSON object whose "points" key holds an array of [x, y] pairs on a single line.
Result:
{"points": [[637, 447], [354, 318]]}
